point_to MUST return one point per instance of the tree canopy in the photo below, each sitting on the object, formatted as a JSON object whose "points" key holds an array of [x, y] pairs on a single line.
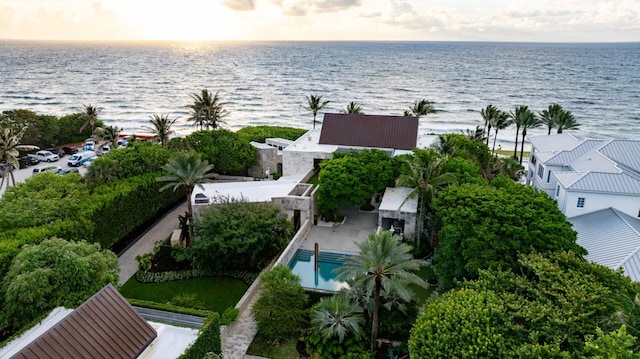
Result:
{"points": [[239, 235], [54, 273], [228, 152], [556, 306], [487, 227], [261, 133]]}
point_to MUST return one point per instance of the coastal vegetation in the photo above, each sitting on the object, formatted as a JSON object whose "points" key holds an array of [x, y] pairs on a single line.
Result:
{"points": [[353, 108], [420, 108], [160, 127], [315, 104], [207, 111], [39, 279]]}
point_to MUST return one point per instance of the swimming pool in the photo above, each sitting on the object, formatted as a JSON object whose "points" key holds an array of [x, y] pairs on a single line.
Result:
{"points": [[303, 262]]}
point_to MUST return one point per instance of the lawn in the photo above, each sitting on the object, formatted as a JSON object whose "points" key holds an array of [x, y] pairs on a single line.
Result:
{"points": [[285, 349], [422, 294], [213, 293]]}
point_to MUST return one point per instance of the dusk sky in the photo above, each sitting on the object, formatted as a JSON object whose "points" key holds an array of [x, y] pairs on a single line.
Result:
{"points": [[438, 20]]}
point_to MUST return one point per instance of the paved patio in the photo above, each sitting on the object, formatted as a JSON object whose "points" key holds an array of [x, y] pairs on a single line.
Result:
{"points": [[357, 226]]}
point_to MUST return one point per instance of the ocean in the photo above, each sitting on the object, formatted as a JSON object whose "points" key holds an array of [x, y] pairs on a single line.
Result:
{"points": [[265, 83]]}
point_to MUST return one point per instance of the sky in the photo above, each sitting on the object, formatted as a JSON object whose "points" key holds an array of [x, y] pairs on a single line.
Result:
{"points": [[392, 20]]}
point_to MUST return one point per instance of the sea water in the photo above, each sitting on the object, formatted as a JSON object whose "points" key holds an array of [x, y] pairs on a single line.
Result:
{"points": [[265, 83]]}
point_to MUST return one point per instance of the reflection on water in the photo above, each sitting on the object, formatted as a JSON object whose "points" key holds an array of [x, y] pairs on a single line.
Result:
{"points": [[303, 265]]}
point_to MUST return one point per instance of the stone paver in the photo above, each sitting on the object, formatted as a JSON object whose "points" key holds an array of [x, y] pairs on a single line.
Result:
{"points": [[157, 232], [238, 335], [343, 238]]}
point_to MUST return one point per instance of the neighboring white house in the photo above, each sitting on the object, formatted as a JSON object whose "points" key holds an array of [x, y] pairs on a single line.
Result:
{"points": [[585, 176], [596, 184], [612, 239]]}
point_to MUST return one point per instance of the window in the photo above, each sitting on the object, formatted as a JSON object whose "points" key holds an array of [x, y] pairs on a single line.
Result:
{"points": [[533, 159], [540, 171], [558, 191], [548, 176], [580, 202]]}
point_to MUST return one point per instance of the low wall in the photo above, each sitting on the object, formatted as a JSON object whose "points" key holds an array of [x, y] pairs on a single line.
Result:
{"points": [[288, 252]]}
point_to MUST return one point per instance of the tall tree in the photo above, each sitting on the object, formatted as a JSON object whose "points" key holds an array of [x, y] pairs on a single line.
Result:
{"points": [[90, 116], [337, 316], [207, 111], [10, 148], [488, 114], [475, 135], [383, 264], [353, 108], [161, 128], [108, 134], [566, 121], [55, 273], [420, 108], [426, 176], [499, 122], [315, 104], [550, 116], [528, 121], [187, 170], [519, 117]]}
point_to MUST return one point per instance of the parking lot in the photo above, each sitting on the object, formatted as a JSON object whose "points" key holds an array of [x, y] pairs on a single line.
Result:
{"points": [[22, 174]]}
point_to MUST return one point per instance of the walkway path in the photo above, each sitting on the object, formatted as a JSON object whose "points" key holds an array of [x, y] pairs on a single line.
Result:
{"points": [[161, 316], [145, 243]]}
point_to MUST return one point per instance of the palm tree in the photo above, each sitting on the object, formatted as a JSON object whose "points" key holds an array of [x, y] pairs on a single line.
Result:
{"points": [[550, 115], [500, 122], [488, 115], [90, 115], [353, 108], [426, 177], [444, 145], [187, 170], [420, 108], [528, 121], [315, 104], [383, 264], [108, 134], [566, 121], [207, 110], [337, 316], [518, 118], [161, 128], [10, 148], [475, 135]]}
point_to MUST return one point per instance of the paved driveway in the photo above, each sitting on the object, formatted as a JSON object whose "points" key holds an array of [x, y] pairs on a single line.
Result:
{"points": [[343, 238]]}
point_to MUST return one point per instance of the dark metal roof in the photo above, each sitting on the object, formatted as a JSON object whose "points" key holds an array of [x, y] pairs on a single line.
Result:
{"points": [[105, 326], [397, 132]]}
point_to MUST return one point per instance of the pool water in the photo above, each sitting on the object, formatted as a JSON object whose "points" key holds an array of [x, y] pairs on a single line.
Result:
{"points": [[303, 263]]}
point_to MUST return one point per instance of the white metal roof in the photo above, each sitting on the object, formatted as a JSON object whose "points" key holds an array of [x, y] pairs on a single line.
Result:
{"points": [[612, 238], [393, 198], [551, 143], [568, 156], [605, 182], [624, 152]]}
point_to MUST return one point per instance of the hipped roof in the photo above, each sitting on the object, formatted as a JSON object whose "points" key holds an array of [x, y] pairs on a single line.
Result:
{"points": [[397, 132]]}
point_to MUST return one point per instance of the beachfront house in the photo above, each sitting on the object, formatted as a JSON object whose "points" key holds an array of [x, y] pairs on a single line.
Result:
{"points": [[343, 132], [596, 184]]}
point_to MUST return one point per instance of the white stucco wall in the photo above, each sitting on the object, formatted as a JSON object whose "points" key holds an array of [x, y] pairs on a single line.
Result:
{"points": [[294, 162], [567, 202]]}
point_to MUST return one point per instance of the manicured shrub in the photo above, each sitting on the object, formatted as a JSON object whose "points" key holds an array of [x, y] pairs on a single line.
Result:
{"points": [[261, 133], [229, 316], [208, 340], [228, 152]]}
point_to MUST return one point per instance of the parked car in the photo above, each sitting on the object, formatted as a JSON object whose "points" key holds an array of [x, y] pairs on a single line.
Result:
{"points": [[68, 170], [80, 158], [45, 156], [87, 163], [70, 150], [103, 150], [27, 161], [89, 145], [56, 151], [47, 168], [3, 166]]}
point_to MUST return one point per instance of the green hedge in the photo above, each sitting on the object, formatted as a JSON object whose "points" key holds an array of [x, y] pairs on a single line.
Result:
{"points": [[160, 277], [208, 340], [169, 307], [12, 241], [119, 208], [260, 133]]}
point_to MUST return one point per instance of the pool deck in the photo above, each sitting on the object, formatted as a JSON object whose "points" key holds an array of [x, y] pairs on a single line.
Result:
{"points": [[343, 238]]}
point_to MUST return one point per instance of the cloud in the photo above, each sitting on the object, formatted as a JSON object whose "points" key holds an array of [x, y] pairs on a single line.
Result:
{"points": [[304, 7], [240, 5]]}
